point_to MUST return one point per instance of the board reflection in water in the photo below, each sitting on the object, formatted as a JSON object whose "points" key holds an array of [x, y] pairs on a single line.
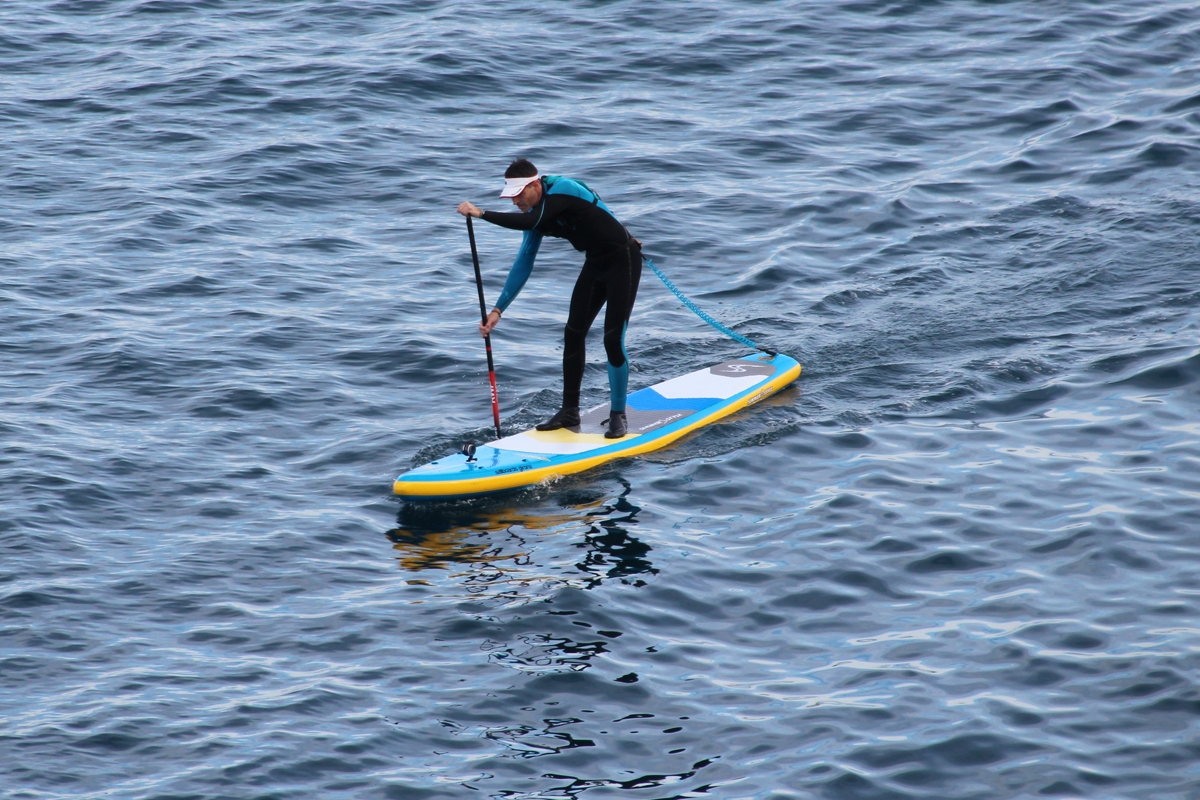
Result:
{"points": [[576, 536]]}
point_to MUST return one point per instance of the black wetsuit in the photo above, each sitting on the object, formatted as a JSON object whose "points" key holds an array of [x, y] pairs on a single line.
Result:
{"points": [[612, 270]]}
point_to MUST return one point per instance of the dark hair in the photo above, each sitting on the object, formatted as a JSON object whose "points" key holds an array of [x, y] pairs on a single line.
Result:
{"points": [[521, 168]]}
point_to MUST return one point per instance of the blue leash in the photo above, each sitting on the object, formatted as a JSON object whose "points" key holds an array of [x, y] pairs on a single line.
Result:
{"points": [[699, 313]]}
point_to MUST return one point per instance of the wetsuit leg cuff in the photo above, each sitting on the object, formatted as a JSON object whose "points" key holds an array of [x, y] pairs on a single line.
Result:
{"points": [[618, 385]]}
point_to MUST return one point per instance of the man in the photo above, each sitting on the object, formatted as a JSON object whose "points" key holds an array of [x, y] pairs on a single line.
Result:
{"points": [[555, 206]]}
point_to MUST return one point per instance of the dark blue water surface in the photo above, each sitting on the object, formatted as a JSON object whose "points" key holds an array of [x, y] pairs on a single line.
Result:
{"points": [[959, 559]]}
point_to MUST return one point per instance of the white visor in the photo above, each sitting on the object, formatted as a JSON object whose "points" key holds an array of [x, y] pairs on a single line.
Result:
{"points": [[514, 186]]}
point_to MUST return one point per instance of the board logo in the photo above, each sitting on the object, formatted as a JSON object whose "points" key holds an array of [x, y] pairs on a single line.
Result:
{"points": [[518, 468], [658, 423], [763, 393], [741, 369]]}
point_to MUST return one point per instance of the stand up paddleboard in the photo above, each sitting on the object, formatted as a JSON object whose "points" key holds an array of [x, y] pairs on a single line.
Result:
{"points": [[657, 415]]}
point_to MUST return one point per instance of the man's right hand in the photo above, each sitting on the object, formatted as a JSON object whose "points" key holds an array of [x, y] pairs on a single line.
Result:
{"points": [[468, 209], [493, 317]]}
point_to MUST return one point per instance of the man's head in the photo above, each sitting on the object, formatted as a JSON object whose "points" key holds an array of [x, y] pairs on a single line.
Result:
{"points": [[521, 168], [522, 184]]}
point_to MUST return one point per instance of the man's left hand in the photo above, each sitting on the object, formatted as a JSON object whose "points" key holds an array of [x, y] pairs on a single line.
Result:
{"points": [[469, 210], [493, 318]]}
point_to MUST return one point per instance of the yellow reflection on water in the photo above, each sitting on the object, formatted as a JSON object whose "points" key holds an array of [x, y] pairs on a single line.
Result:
{"points": [[499, 548], [444, 539]]}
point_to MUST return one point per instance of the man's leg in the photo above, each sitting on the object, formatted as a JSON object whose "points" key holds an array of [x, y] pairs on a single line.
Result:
{"points": [[622, 292], [586, 300]]}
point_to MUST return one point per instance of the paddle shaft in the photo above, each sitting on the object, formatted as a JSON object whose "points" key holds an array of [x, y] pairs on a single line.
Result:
{"points": [[487, 339]]}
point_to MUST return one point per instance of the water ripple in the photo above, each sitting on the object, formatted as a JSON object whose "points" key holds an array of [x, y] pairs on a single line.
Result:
{"points": [[954, 561]]}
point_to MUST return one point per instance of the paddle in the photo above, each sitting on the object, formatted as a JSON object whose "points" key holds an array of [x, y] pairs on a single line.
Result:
{"points": [[487, 339]]}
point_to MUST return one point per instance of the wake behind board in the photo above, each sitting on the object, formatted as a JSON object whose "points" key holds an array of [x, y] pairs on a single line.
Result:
{"points": [[657, 415]]}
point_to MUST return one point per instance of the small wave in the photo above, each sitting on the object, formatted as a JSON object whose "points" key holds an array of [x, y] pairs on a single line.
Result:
{"points": [[1174, 374]]}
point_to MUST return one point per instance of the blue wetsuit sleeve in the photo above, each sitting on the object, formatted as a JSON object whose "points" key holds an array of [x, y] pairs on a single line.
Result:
{"points": [[521, 268]]}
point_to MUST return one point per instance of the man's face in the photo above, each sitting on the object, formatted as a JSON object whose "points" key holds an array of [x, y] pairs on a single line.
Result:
{"points": [[529, 197]]}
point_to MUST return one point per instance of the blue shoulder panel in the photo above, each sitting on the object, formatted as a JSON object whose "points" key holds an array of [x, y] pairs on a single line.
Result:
{"points": [[557, 184]]}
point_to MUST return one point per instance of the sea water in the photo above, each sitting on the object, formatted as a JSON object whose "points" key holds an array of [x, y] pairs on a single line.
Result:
{"points": [[958, 559]]}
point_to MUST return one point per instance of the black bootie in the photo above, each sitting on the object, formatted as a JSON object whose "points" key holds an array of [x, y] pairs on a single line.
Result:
{"points": [[617, 425], [566, 417]]}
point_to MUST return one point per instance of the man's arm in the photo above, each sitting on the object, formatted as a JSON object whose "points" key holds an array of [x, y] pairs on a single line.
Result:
{"points": [[545, 211], [521, 268], [515, 221]]}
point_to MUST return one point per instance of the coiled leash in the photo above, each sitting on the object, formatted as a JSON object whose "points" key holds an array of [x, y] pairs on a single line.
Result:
{"points": [[699, 313]]}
